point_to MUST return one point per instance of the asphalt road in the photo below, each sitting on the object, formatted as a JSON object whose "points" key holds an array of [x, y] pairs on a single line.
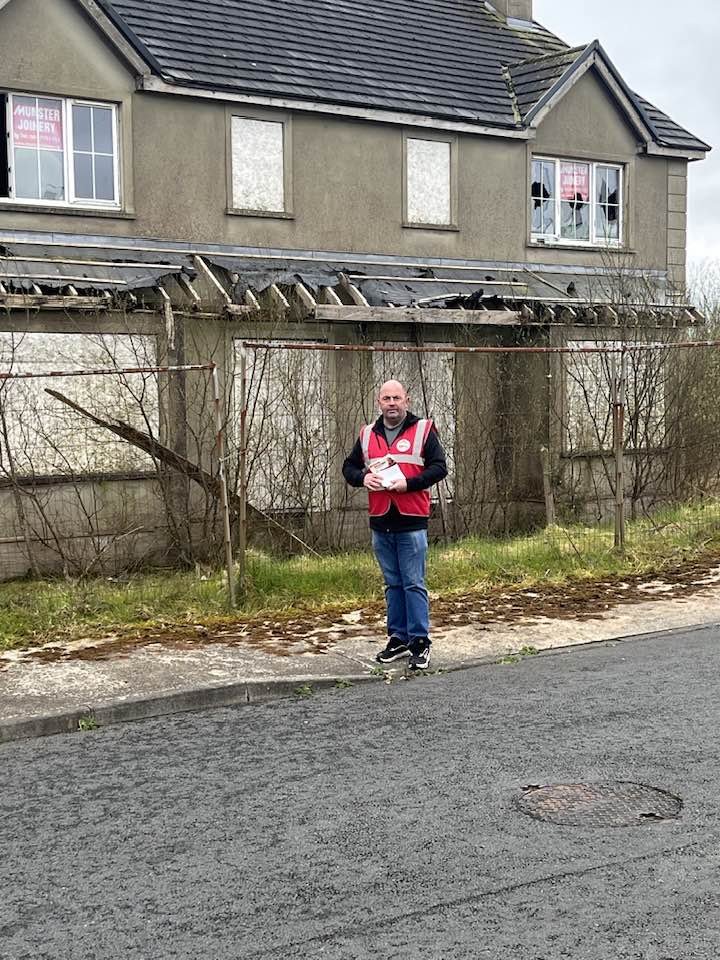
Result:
{"points": [[378, 822]]}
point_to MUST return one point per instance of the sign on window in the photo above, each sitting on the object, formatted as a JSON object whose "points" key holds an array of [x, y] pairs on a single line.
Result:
{"points": [[38, 123], [575, 181]]}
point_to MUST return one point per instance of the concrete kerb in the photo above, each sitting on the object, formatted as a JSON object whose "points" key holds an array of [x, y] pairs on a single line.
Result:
{"points": [[247, 692], [242, 693]]}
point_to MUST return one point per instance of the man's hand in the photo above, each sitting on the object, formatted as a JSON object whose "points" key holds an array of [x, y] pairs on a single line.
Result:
{"points": [[372, 481], [399, 486]]}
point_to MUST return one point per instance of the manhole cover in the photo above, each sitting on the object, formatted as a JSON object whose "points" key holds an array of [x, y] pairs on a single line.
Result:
{"points": [[616, 804]]}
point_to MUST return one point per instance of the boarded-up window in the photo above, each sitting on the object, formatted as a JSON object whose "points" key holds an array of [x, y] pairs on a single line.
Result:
{"points": [[289, 461], [429, 198], [589, 398], [258, 169], [40, 435], [429, 380]]}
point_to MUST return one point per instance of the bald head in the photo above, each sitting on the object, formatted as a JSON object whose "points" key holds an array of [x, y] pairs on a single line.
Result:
{"points": [[393, 402]]}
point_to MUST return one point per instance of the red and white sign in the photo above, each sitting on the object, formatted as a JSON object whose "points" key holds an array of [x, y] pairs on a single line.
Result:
{"points": [[575, 181], [38, 123]]}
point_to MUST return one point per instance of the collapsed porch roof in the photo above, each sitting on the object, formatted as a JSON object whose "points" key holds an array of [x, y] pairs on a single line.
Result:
{"points": [[355, 289]]}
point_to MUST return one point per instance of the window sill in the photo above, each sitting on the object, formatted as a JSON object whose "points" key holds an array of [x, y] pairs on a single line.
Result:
{"points": [[267, 214], [452, 227], [67, 211], [568, 245]]}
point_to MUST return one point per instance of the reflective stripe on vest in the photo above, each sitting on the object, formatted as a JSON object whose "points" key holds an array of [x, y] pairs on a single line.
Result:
{"points": [[422, 429]]}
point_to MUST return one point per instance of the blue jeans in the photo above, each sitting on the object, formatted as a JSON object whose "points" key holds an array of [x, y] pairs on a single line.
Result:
{"points": [[402, 560]]}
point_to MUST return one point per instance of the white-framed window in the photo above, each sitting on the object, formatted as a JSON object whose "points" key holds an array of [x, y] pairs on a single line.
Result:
{"points": [[429, 182], [258, 158], [60, 151], [576, 201]]}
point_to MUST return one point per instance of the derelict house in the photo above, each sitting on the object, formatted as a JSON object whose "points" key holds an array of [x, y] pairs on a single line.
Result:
{"points": [[179, 178]]}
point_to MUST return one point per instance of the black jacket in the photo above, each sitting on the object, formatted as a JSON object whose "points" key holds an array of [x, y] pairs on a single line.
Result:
{"points": [[434, 471]]}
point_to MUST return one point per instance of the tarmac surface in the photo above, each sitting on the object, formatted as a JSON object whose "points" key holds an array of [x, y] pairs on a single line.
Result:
{"points": [[379, 821], [61, 686]]}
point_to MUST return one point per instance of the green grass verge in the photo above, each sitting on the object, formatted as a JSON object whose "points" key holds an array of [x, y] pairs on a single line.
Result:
{"points": [[32, 612]]}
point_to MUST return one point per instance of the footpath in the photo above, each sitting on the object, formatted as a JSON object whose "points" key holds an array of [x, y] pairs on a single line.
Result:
{"points": [[61, 688]]}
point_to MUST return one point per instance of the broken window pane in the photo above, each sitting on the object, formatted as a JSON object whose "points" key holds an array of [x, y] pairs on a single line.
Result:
{"points": [[607, 194], [542, 194]]}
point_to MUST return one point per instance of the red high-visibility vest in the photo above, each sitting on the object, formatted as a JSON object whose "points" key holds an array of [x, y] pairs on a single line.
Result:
{"points": [[407, 451]]}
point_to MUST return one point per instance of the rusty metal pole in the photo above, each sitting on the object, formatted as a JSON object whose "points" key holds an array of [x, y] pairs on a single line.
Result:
{"points": [[618, 405], [223, 487], [242, 533]]}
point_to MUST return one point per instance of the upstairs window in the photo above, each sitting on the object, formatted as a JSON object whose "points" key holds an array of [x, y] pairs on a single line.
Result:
{"points": [[576, 202], [59, 151], [258, 166], [429, 182]]}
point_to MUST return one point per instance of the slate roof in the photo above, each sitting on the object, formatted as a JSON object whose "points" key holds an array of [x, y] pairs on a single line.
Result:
{"points": [[446, 59], [531, 79]]}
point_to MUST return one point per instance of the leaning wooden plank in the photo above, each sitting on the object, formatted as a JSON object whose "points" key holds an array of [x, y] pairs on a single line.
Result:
{"points": [[150, 445], [175, 462]]}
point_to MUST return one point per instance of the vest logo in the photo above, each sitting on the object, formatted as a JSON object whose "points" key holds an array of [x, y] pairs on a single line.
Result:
{"points": [[403, 445]]}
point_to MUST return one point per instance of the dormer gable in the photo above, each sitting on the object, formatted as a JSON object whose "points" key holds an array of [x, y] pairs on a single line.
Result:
{"points": [[537, 85]]}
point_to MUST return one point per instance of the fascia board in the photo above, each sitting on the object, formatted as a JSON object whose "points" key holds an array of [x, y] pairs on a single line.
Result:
{"points": [[153, 84], [681, 153]]}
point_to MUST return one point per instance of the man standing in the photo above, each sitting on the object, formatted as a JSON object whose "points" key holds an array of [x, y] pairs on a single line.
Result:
{"points": [[398, 459]]}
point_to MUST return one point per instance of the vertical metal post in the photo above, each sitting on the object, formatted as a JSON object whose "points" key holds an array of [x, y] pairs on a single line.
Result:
{"points": [[547, 486], [442, 506], [223, 486], [618, 398], [242, 534]]}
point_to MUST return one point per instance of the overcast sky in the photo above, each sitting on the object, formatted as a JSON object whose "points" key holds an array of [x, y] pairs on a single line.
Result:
{"points": [[669, 52]]}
